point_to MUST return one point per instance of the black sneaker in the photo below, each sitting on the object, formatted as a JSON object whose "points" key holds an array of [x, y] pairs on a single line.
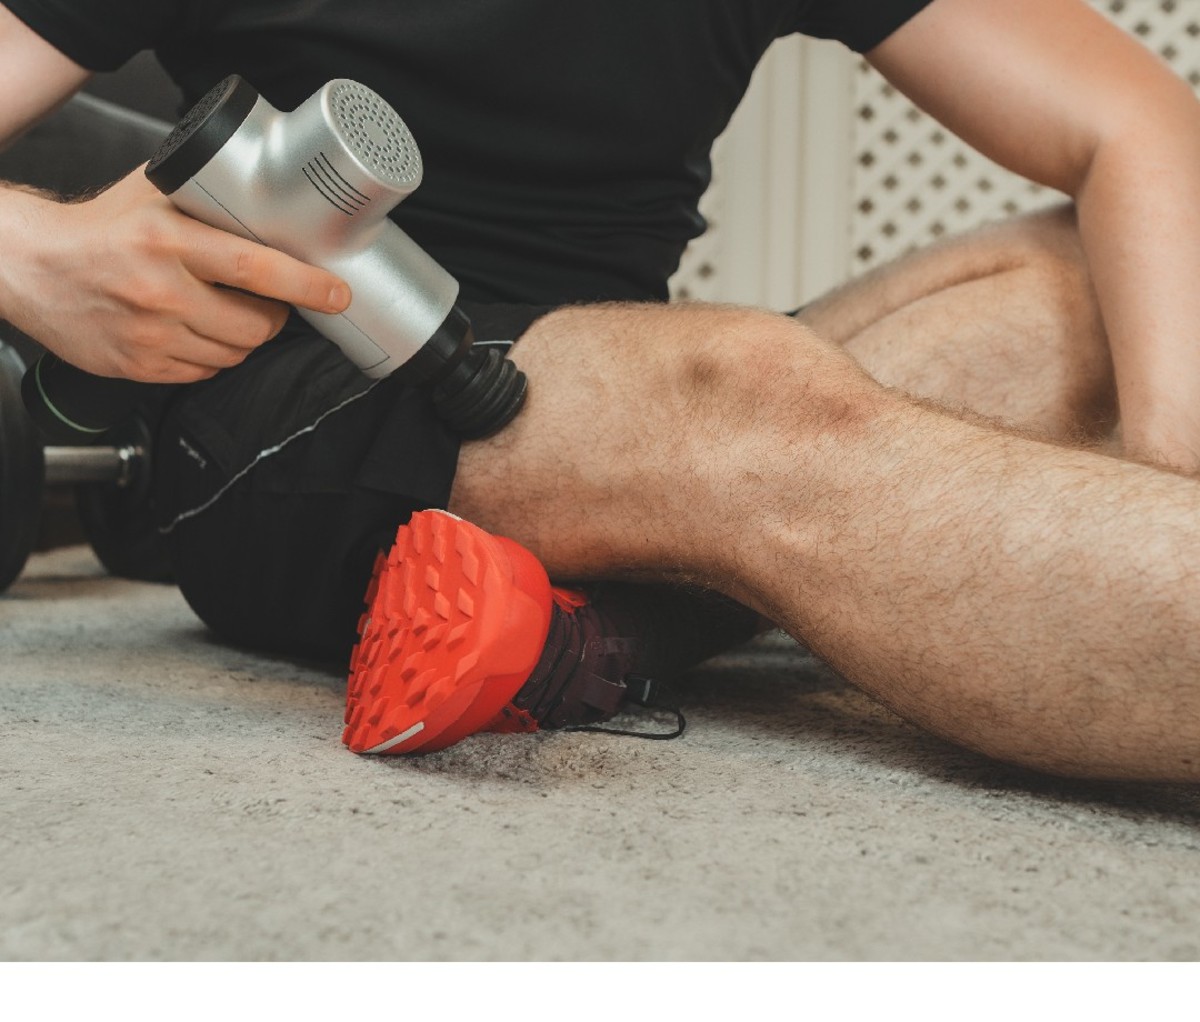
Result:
{"points": [[464, 633]]}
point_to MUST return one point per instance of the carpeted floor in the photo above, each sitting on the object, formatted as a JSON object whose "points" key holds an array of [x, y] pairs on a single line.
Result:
{"points": [[165, 797]]}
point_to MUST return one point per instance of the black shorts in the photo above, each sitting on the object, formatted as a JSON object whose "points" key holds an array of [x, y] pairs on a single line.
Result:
{"points": [[277, 484]]}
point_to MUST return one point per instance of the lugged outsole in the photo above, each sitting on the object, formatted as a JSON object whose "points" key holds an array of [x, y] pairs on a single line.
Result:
{"points": [[456, 620]]}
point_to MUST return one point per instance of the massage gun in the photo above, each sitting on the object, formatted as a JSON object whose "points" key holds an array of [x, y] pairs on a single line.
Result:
{"points": [[317, 183]]}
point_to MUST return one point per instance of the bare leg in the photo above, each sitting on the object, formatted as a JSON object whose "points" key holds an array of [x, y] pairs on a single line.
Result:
{"points": [[1001, 321], [1036, 603]]}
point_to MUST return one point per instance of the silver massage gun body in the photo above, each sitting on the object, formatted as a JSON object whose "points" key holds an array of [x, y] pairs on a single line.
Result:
{"points": [[318, 183]]}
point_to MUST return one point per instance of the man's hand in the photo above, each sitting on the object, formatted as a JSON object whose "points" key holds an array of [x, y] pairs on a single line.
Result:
{"points": [[126, 285]]}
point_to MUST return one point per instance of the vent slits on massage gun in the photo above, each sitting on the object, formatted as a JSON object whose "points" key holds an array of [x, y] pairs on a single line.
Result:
{"points": [[334, 188]]}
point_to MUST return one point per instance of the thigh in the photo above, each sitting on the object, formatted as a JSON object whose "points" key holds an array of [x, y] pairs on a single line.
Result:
{"points": [[1002, 322], [1046, 242]]}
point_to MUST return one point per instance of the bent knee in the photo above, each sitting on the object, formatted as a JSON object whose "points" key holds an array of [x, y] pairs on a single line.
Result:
{"points": [[734, 364], [706, 361]]}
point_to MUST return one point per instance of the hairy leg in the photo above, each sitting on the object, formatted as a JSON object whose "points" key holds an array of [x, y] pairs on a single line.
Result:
{"points": [[1001, 321], [1036, 603]]}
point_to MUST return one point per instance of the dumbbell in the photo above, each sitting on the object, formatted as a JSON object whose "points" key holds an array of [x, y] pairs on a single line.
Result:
{"points": [[112, 488]]}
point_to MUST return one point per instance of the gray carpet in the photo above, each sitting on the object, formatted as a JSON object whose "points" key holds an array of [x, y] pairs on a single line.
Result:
{"points": [[165, 797]]}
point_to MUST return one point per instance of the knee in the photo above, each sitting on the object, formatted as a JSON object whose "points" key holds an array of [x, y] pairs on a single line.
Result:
{"points": [[705, 369], [748, 364]]}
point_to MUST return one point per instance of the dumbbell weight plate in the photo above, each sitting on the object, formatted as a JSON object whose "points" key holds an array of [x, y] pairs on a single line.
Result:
{"points": [[118, 519], [22, 471]]}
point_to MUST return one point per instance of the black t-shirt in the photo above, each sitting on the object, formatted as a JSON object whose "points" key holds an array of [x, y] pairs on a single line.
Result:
{"points": [[566, 144]]}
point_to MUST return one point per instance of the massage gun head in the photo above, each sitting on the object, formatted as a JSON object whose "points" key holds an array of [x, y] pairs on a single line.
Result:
{"points": [[373, 134], [354, 154]]}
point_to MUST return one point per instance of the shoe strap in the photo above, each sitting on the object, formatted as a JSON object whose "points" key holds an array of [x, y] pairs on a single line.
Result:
{"points": [[644, 692], [570, 675]]}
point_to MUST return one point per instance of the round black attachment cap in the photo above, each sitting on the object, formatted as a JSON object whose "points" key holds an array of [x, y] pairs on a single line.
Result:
{"points": [[200, 135], [482, 395], [476, 391]]}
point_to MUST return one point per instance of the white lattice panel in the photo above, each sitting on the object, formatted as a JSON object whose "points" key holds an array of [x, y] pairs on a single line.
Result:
{"points": [[914, 181]]}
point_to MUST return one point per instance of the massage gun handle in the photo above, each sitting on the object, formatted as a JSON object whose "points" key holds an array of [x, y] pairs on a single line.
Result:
{"points": [[74, 408]]}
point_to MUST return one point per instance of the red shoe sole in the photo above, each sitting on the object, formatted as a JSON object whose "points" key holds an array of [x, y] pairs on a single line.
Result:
{"points": [[456, 620]]}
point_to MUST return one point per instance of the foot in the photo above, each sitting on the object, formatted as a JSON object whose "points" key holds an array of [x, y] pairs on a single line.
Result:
{"points": [[464, 633]]}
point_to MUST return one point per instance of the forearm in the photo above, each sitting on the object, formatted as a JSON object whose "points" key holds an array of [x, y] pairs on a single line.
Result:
{"points": [[1139, 218], [22, 220]]}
